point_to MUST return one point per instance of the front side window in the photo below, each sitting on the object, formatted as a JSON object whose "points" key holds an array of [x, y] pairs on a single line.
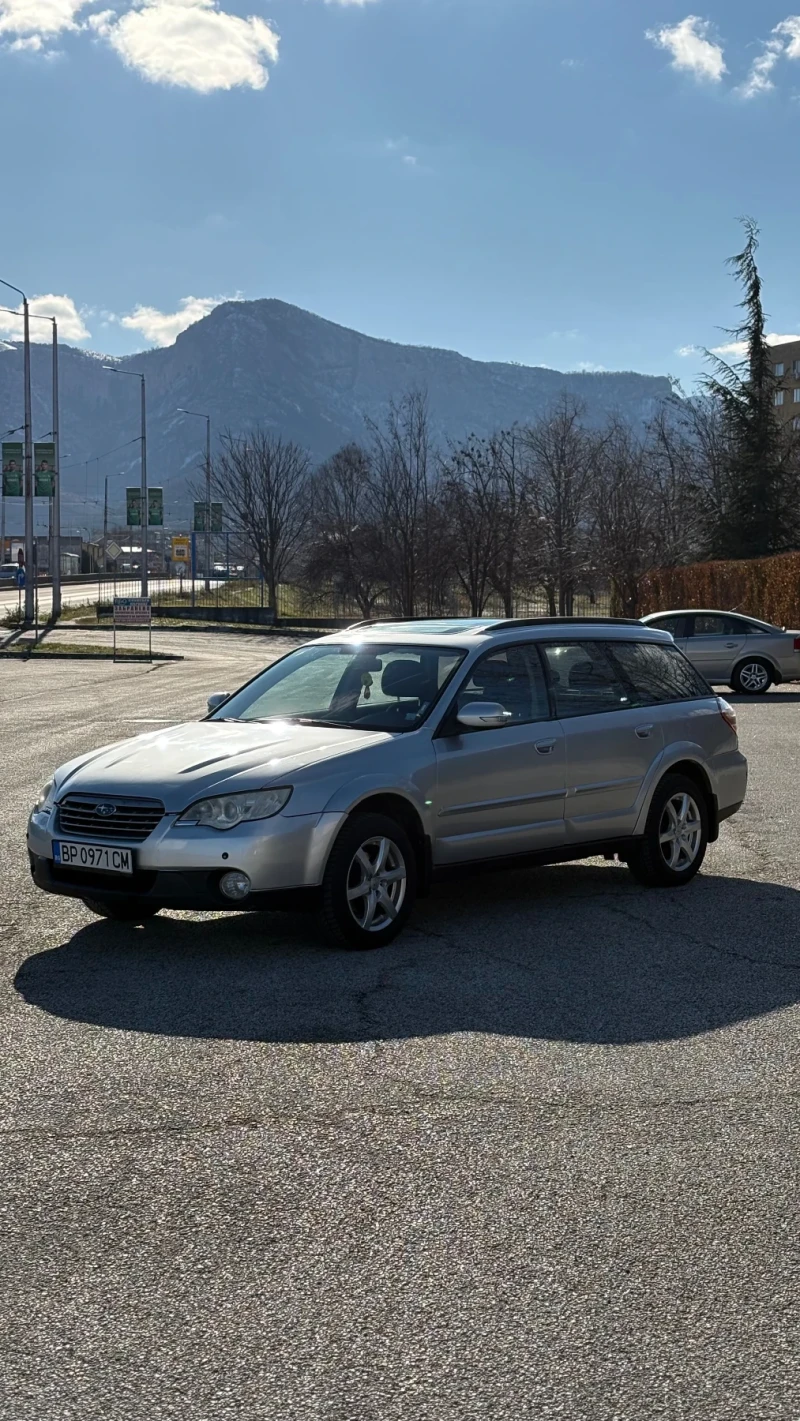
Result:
{"points": [[584, 679], [657, 674], [511, 677], [362, 686], [673, 625]]}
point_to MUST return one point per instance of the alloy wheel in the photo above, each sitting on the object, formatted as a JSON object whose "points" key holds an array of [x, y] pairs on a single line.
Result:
{"points": [[753, 677], [680, 832], [376, 884]]}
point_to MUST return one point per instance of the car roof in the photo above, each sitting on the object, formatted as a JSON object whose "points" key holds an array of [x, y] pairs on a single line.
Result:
{"points": [[709, 612], [469, 632]]}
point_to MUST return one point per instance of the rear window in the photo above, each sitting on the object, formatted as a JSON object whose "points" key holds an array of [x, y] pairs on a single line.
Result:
{"points": [[656, 673], [584, 679]]}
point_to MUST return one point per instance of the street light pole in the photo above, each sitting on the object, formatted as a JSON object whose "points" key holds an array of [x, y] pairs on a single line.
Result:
{"points": [[207, 417], [55, 570], [115, 370], [29, 591]]}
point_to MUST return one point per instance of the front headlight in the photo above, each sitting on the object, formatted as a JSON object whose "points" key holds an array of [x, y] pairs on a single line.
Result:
{"points": [[225, 811], [44, 796]]}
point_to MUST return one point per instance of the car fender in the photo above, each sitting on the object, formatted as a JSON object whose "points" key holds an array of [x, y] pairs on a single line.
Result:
{"points": [[766, 656], [677, 752], [347, 797]]}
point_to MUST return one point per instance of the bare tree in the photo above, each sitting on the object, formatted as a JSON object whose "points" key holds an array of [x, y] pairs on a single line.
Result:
{"points": [[264, 482], [347, 547], [400, 497], [623, 503], [471, 504], [561, 463]]}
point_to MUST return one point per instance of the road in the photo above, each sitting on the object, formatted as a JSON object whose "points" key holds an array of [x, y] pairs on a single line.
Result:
{"points": [[536, 1159], [75, 593]]}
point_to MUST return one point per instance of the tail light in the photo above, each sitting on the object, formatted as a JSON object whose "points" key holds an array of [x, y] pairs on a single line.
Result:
{"points": [[797, 643], [728, 714]]}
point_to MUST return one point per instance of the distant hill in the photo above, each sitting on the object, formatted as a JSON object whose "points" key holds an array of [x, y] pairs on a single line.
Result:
{"points": [[265, 362]]}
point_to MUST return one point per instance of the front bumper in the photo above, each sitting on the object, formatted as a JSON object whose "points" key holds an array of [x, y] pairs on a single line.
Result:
{"points": [[193, 889], [181, 867]]}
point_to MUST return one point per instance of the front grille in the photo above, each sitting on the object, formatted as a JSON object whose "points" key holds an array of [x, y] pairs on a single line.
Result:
{"points": [[133, 819]]}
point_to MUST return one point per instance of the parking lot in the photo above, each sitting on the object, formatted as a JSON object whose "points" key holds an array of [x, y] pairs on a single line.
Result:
{"points": [[538, 1158]]}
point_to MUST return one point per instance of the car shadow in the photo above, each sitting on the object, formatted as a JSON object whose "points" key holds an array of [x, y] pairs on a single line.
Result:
{"points": [[575, 953]]}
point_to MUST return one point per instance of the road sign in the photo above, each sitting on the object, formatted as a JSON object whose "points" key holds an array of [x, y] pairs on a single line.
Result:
{"points": [[44, 470], [13, 456], [132, 612], [113, 550], [180, 550]]}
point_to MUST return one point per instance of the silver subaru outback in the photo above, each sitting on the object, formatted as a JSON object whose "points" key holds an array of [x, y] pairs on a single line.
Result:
{"points": [[356, 769]]}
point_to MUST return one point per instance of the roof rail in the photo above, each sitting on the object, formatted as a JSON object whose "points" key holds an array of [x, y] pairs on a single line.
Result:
{"points": [[567, 621], [393, 621]]}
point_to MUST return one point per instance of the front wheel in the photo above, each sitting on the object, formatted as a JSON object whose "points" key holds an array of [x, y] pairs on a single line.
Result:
{"points": [[121, 910], [675, 839], [370, 884], [752, 678]]}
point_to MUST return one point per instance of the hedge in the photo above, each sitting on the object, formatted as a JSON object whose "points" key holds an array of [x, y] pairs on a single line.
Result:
{"points": [[768, 588]]}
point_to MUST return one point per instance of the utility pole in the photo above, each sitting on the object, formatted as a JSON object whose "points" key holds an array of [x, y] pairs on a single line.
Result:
{"points": [[55, 503]]}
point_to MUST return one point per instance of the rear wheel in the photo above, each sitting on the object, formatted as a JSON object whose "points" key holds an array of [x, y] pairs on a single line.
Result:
{"points": [[752, 677], [370, 884], [122, 910], [676, 837]]}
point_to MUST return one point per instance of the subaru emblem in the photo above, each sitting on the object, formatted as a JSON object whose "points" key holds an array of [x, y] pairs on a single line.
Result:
{"points": [[105, 810]]}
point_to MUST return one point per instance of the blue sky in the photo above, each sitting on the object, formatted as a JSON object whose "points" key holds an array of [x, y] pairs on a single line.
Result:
{"points": [[553, 182]]}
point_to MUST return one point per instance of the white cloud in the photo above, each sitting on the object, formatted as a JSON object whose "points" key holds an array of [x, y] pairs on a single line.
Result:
{"points": [[588, 367], [739, 347], [690, 47], [685, 350], [564, 335], [164, 327], [783, 43], [190, 43], [38, 17], [349, 2], [70, 321]]}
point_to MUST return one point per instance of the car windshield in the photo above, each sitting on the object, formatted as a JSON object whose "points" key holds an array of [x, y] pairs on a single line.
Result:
{"points": [[358, 686]]}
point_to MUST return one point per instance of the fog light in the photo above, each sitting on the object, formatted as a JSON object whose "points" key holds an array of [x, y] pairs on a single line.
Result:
{"points": [[235, 885]]}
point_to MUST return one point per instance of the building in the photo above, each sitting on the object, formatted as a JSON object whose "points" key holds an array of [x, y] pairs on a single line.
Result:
{"points": [[786, 358]]}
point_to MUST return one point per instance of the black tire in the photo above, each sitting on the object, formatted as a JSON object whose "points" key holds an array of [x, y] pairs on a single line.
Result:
{"points": [[752, 670], [122, 910], [346, 872], [648, 860]]}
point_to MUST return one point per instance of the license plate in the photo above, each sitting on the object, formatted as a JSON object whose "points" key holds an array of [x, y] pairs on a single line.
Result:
{"points": [[100, 856]]}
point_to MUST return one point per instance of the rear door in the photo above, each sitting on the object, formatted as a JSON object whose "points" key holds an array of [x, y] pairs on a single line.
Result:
{"points": [[611, 744], [500, 791], [716, 642]]}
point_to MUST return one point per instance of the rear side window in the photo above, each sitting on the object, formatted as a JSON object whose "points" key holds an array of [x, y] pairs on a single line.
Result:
{"points": [[657, 674], [584, 679], [713, 625]]}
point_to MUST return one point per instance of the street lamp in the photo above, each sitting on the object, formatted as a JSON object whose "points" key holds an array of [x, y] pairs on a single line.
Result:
{"points": [[207, 417], [115, 370], [26, 367]]}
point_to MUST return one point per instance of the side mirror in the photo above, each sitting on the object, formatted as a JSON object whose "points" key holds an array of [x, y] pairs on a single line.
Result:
{"points": [[216, 700], [483, 715]]}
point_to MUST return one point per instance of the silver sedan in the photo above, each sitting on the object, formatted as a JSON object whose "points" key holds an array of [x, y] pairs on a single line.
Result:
{"points": [[729, 649]]}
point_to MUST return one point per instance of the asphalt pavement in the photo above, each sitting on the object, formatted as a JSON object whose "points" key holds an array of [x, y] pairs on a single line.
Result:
{"points": [[538, 1158]]}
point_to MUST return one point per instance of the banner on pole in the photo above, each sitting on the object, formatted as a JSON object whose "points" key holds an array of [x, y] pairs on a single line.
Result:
{"points": [[200, 517], [44, 470], [132, 611], [133, 504], [13, 467], [155, 507]]}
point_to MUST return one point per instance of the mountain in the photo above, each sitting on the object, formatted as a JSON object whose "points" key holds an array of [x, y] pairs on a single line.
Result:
{"points": [[268, 363]]}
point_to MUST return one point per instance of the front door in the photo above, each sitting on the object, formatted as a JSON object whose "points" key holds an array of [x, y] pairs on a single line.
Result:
{"points": [[715, 644], [610, 745], [500, 791]]}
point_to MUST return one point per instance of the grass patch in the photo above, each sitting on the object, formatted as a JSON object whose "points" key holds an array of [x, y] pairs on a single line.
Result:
{"points": [[82, 650]]}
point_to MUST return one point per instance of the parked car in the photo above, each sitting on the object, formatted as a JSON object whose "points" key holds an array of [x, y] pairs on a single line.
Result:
{"points": [[8, 571], [733, 650], [355, 769]]}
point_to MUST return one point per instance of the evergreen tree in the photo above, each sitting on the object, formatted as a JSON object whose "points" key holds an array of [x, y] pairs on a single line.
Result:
{"points": [[759, 513]]}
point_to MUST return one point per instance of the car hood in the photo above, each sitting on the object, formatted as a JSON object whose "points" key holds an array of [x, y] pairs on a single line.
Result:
{"points": [[184, 763]]}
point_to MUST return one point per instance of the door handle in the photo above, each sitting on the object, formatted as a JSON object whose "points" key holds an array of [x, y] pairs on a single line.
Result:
{"points": [[544, 747], [644, 731], [731, 645]]}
